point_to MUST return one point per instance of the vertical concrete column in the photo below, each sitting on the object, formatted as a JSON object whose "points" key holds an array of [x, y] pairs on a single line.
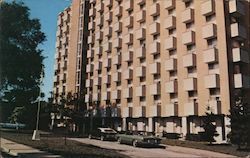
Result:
{"points": [[150, 124], [184, 126], [124, 124]]}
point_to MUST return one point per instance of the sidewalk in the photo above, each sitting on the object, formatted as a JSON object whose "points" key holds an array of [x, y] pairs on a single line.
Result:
{"points": [[20, 150]]}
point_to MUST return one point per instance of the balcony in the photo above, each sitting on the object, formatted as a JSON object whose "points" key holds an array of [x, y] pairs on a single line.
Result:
{"points": [[139, 111], [65, 40], [140, 16], [100, 7], [140, 52], [92, 1], [108, 3], [59, 21], [208, 8], [172, 109], [116, 77], [154, 48], [189, 60], [98, 50], [117, 27], [140, 2], [58, 44], [215, 106], [154, 10], [97, 81], [140, 71], [155, 89], [96, 97], [170, 22], [107, 63], [236, 8], [241, 81], [190, 109], [169, 4], [105, 96], [92, 12], [187, 15], [118, 11], [240, 55], [209, 31], [188, 37], [128, 56], [140, 34], [65, 29], [107, 47], [108, 32], [171, 64], [128, 74], [89, 83], [117, 43], [128, 5], [108, 17], [171, 86], [91, 25], [99, 21], [238, 31], [154, 111], [140, 91], [116, 60], [91, 39], [170, 43], [98, 66], [210, 55], [128, 39], [126, 112], [154, 68], [116, 95], [87, 98], [128, 22], [190, 84], [89, 68], [127, 93], [212, 81], [154, 28], [99, 36], [106, 79]]}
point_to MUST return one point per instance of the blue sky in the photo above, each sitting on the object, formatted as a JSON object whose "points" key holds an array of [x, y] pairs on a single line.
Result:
{"points": [[47, 11]]}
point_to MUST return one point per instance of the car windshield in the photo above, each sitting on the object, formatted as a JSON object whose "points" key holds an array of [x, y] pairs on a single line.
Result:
{"points": [[109, 131]]}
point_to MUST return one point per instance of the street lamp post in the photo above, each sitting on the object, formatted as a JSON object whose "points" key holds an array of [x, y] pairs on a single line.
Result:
{"points": [[36, 132]]}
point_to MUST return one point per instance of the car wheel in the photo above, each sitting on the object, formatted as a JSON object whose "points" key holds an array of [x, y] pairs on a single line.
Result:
{"points": [[135, 143], [102, 138], [90, 137], [119, 140]]}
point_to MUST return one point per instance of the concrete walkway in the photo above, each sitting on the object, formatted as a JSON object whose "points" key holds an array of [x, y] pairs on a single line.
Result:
{"points": [[20, 150]]}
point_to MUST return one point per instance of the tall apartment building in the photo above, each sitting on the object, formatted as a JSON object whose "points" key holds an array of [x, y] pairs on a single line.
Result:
{"points": [[70, 56], [163, 62]]}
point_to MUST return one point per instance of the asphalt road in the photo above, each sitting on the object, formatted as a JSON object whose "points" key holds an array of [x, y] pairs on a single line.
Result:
{"points": [[161, 152]]}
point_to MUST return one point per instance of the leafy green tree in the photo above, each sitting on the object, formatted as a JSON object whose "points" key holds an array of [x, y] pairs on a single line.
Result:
{"points": [[209, 128], [240, 118], [21, 61]]}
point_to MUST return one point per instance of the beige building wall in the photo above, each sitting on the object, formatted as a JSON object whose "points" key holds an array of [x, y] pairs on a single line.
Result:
{"points": [[163, 62]]}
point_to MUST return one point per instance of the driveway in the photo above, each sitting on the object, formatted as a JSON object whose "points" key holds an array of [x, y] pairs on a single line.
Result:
{"points": [[161, 152]]}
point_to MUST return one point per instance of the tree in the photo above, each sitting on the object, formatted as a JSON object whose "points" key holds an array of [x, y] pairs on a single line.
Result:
{"points": [[240, 118], [21, 61], [209, 128]]}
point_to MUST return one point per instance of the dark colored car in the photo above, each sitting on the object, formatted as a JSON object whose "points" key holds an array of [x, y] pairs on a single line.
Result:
{"points": [[103, 134]]}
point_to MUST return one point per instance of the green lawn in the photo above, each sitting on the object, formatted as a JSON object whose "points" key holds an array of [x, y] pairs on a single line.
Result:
{"points": [[222, 148], [55, 144]]}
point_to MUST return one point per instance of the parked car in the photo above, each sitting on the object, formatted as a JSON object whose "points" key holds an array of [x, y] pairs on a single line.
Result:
{"points": [[138, 139], [103, 134]]}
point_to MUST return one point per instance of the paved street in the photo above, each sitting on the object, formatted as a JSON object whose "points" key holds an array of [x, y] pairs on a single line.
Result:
{"points": [[165, 152]]}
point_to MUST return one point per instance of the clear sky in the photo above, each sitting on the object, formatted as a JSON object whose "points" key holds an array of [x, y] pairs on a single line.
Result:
{"points": [[47, 11]]}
